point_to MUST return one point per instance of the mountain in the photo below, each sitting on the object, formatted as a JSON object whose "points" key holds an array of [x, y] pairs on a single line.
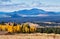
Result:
{"points": [[36, 13], [29, 13], [53, 13], [32, 15]]}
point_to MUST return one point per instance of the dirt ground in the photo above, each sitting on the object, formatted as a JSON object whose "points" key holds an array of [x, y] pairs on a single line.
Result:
{"points": [[31, 36]]}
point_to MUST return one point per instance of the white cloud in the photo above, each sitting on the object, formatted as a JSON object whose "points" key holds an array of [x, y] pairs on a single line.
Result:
{"points": [[14, 5], [4, 16], [5, 0], [40, 15]]}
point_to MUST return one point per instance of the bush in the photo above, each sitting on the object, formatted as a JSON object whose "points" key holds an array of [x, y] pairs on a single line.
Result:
{"points": [[48, 30]]}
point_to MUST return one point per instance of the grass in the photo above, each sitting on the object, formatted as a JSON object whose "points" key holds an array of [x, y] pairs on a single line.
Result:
{"points": [[31, 36]]}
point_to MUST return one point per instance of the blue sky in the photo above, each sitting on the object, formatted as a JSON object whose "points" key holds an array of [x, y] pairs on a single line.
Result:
{"points": [[15, 5]]}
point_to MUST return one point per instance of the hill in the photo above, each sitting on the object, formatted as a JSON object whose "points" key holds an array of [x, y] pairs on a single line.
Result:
{"points": [[29, 13]]}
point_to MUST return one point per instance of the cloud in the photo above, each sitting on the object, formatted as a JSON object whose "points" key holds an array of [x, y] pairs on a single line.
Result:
{"points": [[15, 5], [5, 0], [40, 15], [4, 16]]}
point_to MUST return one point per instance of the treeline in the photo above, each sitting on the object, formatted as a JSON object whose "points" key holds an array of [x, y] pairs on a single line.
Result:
{"points": [[48, 30], [17, 28], [26, 28]]}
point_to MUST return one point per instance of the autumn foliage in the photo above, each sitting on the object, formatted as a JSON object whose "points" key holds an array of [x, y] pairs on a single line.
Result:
{"points": [[15, 28]]}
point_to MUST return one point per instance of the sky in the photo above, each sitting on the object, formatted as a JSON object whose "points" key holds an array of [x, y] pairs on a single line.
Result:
{"points": [[15, 5]]}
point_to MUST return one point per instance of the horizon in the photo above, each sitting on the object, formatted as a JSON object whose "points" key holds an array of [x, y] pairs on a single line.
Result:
{"points": [[29, 8]]}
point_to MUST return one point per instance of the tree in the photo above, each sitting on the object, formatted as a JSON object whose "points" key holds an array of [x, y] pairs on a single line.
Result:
{"points": [[25, 28], [18, 28], [28, 27]]}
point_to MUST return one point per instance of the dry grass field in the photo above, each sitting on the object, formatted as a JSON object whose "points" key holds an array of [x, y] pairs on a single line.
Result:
{"points": [[31, 36]]}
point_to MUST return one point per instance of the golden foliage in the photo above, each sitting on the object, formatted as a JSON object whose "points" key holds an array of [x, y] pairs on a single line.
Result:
{"points": [[18, 28], [10, 29], [27, 28], [32, 29]]}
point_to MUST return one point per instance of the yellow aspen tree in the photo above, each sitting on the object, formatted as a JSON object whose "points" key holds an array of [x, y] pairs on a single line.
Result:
{"points": [[26, 29], [23, 27], [0, 27], [10, 29], [32, 29], [3, 27], [18, 28], [14, 28]]}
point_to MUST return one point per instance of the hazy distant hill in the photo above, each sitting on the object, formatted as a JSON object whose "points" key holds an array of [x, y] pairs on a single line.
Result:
{"points": [[29, 13], [33, 15]]}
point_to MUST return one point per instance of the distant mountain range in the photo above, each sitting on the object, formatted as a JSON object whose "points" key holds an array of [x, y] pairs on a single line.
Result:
{"points": [[29, 13], [32, 15]]}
